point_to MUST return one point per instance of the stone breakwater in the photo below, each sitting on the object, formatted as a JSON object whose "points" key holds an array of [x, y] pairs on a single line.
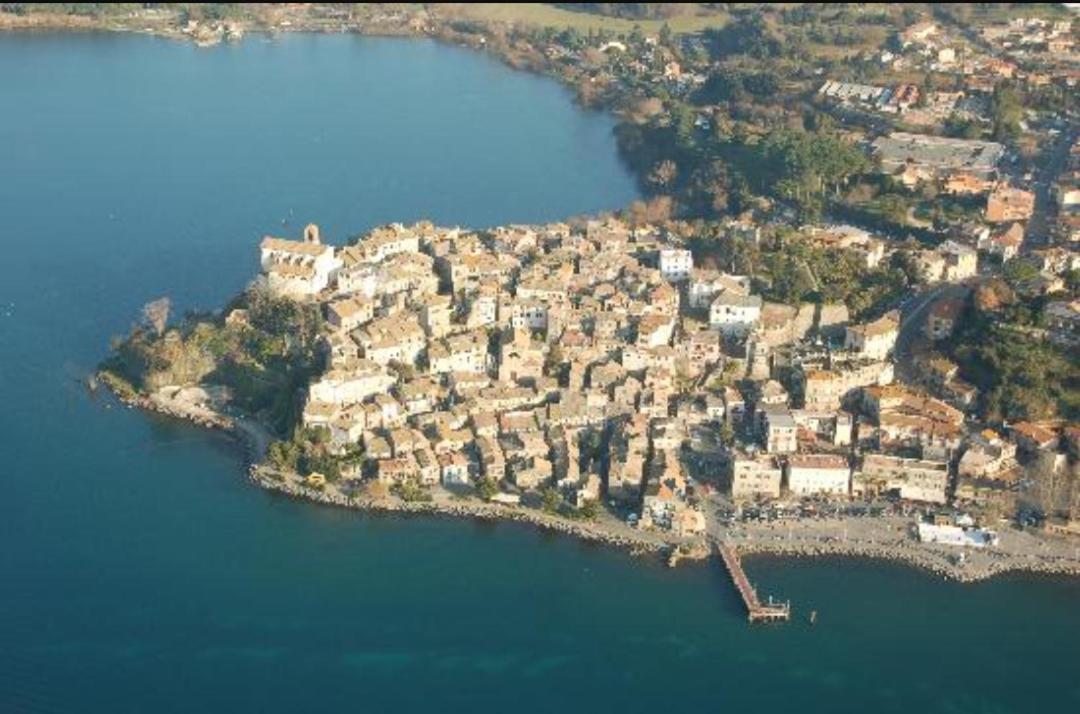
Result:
{"points": [[944, 564], [461, 509]]}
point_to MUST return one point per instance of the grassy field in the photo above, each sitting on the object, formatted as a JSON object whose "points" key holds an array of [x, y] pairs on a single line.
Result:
{"points": [[543, 15]]}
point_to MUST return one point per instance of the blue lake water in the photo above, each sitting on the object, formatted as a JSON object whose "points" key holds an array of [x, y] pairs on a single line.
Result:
{"points": [[139, 572]]}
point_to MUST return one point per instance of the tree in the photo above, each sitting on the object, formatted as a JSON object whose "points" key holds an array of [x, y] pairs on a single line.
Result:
{"points": [[663, 174], [486, 488], [726, 435], [1006, 110], [550, 499], [155, 314], [666, 35]]}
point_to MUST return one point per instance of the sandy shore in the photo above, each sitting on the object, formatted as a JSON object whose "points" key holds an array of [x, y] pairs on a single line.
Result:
{"points": [[888, 538]]}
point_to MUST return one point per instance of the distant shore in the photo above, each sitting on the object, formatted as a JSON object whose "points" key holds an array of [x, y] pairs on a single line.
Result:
{"points": [[886, 538], [61, 22]]}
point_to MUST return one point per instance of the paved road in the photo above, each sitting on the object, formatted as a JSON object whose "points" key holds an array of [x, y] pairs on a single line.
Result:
{"points": [[1048, 167], [914, 314]]}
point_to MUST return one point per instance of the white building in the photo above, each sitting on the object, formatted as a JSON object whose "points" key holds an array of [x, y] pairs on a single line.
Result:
{"points": [[753, 476], [454, 468], [955, 535], [706, 285], [676, 265], [734, 314], [467, 353], [780, 431], [350, 385], [528, 315], [961, 261], [874, 340], [298, 268], [818, 474]]}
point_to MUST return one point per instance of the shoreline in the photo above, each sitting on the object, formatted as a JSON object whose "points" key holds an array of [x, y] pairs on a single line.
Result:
{"points": [[916, 556], [813, 540], [488, 512]]}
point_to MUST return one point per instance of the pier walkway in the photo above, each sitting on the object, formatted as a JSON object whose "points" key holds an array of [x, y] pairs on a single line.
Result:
{"points": [[756, 611]]}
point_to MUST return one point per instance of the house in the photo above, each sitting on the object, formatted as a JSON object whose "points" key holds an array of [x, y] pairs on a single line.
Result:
{"points": [[655, 330], [463, 353], [705, 285], [874, 340], [1033, 438], [825, 389], [483, 308], [521, 358], [298, 269], [629, 446], [346, 314], [779, 431], [964, 184], [818, 474], [930, 265], [492, 459], [1063, 321], [834, 427], [1006, 203], [942, 318], [961, 261], [912, 479], [397, 470], [1006, 243], [988, 456], [733, 314], [349, 384], [676, 265], [850, 239], [527, 314], [905, 418], [394, 338], [919, 33], [754, 476], [427, 466], [454, 468], [435, 312]]}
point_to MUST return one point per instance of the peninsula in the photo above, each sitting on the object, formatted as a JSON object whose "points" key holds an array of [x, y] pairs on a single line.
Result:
{"points": [[842, 319], [592, 377]]}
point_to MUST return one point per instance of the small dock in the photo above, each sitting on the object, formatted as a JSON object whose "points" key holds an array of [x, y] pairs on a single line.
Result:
{"points": [[755, 610]]}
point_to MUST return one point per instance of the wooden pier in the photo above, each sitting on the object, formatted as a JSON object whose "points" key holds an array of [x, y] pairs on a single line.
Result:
{"points": [[756, 611]]}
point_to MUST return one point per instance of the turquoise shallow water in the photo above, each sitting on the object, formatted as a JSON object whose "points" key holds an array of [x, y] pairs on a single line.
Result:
{"points": [[138, 570]]}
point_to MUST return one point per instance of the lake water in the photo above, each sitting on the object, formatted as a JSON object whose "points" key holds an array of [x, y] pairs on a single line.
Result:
{"points": [[139, 572]]}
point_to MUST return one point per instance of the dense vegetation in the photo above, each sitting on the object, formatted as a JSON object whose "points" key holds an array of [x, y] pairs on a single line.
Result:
{"points": [[264, 359], [1020, 375]]}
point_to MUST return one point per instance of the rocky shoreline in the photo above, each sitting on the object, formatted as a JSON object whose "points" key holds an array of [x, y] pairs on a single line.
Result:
{"points": [[289, 486], [921, 557], [254, 446], [254, 438]]}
